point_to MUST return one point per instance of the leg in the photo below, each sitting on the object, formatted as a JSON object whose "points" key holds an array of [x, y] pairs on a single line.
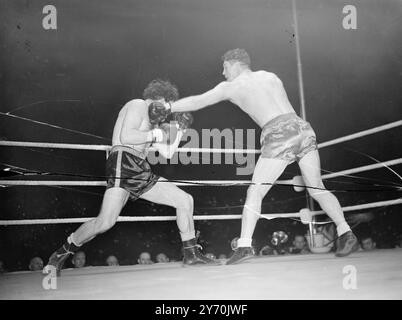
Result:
{"points": [[169, 194], [267, 170], [311, 170], [113, 202]]}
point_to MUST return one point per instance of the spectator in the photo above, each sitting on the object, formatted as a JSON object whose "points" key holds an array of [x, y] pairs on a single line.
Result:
{"points": [[329, 232], [299, 245], [233, 244], [222, 256], [267, 251], [145, 258], [112, 261], [35, 264], [210, 256], [368, 243], [162, 258], [2, 267], [399, 243], [79, 259]]}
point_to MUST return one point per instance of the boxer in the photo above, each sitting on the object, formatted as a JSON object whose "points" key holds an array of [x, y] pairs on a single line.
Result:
{"points": [[285, 138], [139, 125]]}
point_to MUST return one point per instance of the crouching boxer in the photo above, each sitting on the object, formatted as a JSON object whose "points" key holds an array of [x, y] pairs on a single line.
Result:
{"points": [[139, 125]]}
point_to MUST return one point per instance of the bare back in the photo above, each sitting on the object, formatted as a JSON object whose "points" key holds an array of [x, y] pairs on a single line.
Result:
{"points": [[260, 94], [134, 109]]}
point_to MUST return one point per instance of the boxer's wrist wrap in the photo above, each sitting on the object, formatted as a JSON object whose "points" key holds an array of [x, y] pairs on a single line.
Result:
{"points": [[157, 135]]}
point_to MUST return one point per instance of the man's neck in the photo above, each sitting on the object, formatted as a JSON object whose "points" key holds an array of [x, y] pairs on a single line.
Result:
{"points": [[244, 71]]}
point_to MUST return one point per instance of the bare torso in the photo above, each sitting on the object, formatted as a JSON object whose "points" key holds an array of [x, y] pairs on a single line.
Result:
{"points": [[140, 110], [260, 94]]}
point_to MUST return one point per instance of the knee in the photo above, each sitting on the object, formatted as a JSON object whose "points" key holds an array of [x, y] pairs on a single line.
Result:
{"points": [[186, 202], [103, 225], [317, 189], [255, 194]]}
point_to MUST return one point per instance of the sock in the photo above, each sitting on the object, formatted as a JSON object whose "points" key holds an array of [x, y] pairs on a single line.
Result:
{"points": [[185, 236], [70, 240], [244, 242], [68, 247], [342, 228]]}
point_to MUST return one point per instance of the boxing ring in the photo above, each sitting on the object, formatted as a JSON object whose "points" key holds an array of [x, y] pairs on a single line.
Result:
{"points": [[312, 276]]}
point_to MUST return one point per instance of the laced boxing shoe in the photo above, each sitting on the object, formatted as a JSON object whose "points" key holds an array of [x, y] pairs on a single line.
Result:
{"points": [[193, 256], [59, 257], [241, 254], [346, 244]]}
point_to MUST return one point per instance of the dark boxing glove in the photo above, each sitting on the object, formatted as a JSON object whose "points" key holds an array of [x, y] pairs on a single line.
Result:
{"points": [[157, 112], [184, 119]]}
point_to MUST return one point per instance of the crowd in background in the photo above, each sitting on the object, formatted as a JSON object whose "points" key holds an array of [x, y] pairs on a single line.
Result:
{"points": [[373, 230]]}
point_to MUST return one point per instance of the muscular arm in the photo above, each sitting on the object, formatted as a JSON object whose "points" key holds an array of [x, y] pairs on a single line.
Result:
{"points": [[130, 134], [192, 103]]}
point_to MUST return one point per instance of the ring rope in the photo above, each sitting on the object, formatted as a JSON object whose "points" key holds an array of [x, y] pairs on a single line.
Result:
{"points": [[197, 150], [198, 182], [198, 217]]}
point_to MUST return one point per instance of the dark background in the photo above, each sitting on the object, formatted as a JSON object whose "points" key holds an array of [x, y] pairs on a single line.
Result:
{"points": [[104, 53]]}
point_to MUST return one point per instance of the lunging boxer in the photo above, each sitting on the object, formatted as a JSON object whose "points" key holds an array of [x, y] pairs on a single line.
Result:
{"points": [[285, 138], [139, 125]]}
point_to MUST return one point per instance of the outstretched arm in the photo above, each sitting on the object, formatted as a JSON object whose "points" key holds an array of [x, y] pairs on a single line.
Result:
{"points": [[192, 103]]}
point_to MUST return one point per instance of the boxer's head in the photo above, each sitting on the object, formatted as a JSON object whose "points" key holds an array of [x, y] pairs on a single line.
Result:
{"points": [[235, 61], [161, 90]]}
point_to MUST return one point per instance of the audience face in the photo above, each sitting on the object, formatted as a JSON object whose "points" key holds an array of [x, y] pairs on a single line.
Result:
{"points": [[161, 258], [267, 251], [210, 256], [233, 244], [2, 267], [79, 259], [145, 258], [112, 261], [299, 242], [368, 244], [36, 264]]}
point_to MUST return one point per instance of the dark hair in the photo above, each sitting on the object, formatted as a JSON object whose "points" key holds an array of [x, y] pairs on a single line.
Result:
{"points": [[366, 237], [237, 54], [161, 89]]}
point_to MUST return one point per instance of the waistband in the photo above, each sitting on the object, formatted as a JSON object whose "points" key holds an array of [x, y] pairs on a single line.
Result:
{"points": [[281, 117], [128, 150]]}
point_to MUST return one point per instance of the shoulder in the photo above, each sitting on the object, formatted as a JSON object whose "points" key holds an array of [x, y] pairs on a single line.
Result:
{"points": [[271, 76], [226, 87], [134, 106], [136, 103], [267, 74]]}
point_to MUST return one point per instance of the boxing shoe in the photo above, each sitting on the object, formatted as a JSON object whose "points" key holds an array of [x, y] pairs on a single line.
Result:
{"points": [[59, 257], [241, 254], [346, 244], [193, 256]]}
